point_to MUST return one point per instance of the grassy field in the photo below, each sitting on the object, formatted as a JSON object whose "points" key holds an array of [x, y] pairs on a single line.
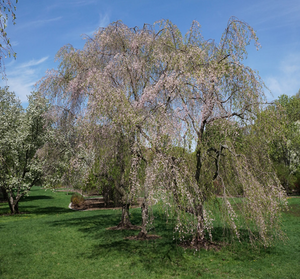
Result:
{"points": [[51, 241]]}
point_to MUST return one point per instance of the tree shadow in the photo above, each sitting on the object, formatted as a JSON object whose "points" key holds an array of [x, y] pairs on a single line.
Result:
{"points": [[113, 243], [92, 225], [4, 209], [242, 249], [152, 255], [34, 198], [294, 210], [49, 210]]}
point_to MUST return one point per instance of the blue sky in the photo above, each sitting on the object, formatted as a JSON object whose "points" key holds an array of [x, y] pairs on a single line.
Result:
{"points": [[43, 27]]}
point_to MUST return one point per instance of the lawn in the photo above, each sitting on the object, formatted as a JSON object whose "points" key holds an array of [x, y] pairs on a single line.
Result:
{"points": [[52, 241]]}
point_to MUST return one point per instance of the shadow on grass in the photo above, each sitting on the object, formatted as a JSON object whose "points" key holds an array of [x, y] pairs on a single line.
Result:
{"points": [[52, 210], [34, 198], [4, 210], [49, 210], [294, 210], [152, 255], [112, 245], [92, 225]]}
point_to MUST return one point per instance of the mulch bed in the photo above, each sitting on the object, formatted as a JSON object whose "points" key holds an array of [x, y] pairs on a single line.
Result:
{"points": [[148, 237], [119, 228], [98, 203]]}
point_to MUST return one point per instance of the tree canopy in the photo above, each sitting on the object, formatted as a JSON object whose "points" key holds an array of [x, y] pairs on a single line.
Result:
{"points": [[153, 91], [285, 148], [22, 134]]}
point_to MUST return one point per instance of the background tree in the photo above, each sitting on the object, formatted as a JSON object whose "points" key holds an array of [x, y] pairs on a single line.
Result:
{"points": [[64, 159], [7, 9], [285, 149], [22, 134], [10, 113]]}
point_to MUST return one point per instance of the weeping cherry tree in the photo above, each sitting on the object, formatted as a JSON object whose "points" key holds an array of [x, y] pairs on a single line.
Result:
{"points": [[146, 94]]}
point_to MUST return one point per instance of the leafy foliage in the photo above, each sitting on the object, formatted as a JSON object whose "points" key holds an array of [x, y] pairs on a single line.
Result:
{"points": [[152, 95], [285, 148], [22, 134]]}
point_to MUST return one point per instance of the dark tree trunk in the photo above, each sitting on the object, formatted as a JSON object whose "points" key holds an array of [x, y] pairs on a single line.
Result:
{"points": [[107, 195], [125, 221], [199, 164], [199, 238], [17, 208]]}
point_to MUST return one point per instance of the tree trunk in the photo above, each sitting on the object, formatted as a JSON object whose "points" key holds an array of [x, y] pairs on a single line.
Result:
{"points": [[107, 195], [13, 205], [125, 221], [198, 162], [143, 232], [199, 238]]}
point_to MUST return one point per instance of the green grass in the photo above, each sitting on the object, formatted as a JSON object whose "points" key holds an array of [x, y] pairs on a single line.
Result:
{"points": [[51, 241]]}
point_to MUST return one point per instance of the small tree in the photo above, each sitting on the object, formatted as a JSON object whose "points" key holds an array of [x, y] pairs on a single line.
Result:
{"points": [[22, 134], [10, 113]]}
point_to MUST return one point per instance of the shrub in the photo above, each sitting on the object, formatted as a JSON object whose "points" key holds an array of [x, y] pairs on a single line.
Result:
{"points": [[77, 200]]}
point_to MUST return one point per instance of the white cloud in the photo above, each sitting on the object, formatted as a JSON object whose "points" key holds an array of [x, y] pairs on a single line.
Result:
{"points": [[274, 12], [83, 2], [87, 30], [33, 62], [14, 43], [21, 78], [69, 3], [287, 81], [104, 20], [37, 23]]}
